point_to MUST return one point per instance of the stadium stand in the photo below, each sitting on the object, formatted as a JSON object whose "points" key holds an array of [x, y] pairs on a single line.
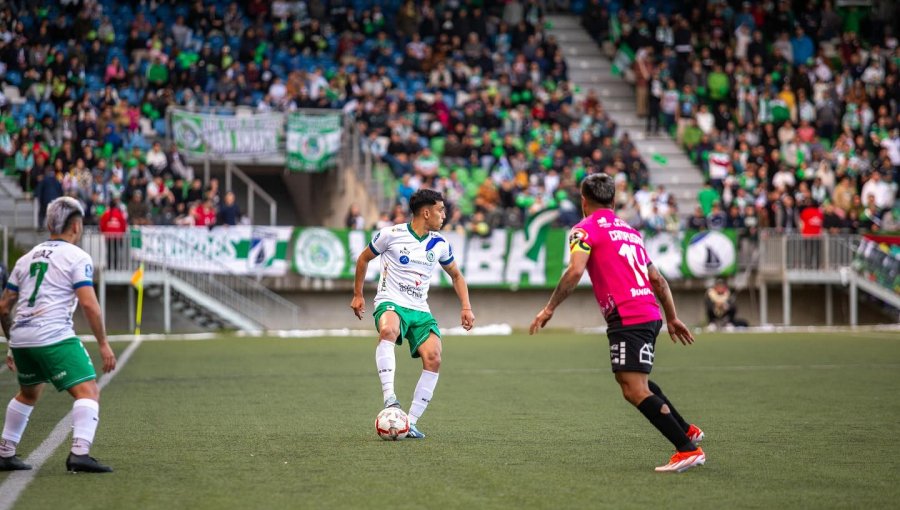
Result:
{"points": [[791, 109], [470, 98]]}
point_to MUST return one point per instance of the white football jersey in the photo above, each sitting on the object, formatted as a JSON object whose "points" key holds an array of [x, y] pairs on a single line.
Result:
{"points": [[407, 262], [46, 278]]}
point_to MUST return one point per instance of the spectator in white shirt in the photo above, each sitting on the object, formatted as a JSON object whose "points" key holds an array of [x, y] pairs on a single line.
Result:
{"points": [[156, 159], [882, 191]]}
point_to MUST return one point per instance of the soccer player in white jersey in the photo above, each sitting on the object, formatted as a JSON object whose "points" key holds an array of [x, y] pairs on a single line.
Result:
{"points": [[409, 254], [45, 287]]}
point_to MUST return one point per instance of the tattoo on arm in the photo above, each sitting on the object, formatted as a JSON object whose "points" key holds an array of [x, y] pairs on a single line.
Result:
{"points": [[564, 289]]}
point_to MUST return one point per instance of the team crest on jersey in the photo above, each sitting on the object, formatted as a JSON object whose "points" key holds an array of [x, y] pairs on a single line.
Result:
{"points": [[430, 256], [404, 256]]}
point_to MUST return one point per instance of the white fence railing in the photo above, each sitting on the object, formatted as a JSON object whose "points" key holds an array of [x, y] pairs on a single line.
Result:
{"points": [[243, 294], [782, 252]]}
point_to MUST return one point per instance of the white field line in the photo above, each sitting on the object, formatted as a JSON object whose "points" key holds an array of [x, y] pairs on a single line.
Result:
{"points": [[17, 481]]}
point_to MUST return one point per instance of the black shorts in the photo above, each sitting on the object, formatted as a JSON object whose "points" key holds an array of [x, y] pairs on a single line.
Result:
{"points": [[631, 347]]}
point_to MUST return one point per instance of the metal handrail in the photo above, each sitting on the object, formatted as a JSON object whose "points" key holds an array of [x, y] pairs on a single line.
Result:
{"points": [[781, 252], [253, 189], [239, 292]]}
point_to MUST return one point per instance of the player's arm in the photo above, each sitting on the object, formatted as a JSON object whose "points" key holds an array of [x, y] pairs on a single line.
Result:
{"points": [[7, 301], [467, 318], [677, 329], [577, 263], [358, 303], [91, 309]]}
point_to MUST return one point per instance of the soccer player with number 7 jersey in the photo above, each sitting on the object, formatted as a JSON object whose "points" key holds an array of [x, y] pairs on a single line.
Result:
{"points": [[627, 286], [45, 286]]}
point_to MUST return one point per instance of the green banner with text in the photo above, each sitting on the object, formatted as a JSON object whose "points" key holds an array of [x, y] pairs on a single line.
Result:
{"points": [[500, 259]]}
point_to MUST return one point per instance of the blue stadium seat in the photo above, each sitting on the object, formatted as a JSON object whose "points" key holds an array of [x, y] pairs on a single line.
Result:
{"points": [[29, 108], [159, 125], [14, 77], [47, 109]]}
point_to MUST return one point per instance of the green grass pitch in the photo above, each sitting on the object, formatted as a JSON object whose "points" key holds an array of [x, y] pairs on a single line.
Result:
{"points": [[792, 421]]}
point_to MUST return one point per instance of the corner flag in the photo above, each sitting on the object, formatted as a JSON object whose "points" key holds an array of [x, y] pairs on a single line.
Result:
{"points": [[137, 280]]}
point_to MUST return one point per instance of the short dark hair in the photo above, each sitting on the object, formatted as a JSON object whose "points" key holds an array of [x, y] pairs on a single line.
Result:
{"points": [[599, 189], [424, 198]]}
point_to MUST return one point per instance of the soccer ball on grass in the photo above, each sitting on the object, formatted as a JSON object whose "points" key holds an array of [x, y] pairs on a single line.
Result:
{"points": [[392, 424]]}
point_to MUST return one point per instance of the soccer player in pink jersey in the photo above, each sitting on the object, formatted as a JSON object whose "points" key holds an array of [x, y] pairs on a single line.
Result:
{"points": [[627, 286]]}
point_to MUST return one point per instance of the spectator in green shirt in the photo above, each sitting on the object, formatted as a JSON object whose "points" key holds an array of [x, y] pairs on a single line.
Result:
{"points": [[717, 83], [707, 197]]}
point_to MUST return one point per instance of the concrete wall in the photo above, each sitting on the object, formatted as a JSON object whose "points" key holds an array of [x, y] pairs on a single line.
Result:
{"points": [[330, 310]]}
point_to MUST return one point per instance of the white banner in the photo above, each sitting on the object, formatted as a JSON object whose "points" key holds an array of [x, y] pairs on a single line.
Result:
{"points": [[245, 250], [228, 135]]}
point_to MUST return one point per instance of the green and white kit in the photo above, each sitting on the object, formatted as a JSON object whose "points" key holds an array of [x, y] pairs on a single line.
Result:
{"points": [[407, 264], [42, 335]]}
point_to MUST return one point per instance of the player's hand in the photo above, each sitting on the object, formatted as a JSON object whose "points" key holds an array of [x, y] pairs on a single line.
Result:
{"points": [[358, 304], [467, 319], [10, 362], [679, 332], [541, 320], [109, 358]]}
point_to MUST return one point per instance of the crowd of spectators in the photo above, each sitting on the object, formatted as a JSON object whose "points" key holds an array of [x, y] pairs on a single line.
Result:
{"points": [[78, 111], [790, 108], [468, 97]]}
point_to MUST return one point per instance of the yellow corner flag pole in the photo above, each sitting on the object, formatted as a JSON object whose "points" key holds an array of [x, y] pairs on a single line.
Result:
{"points": [[137, 280]]}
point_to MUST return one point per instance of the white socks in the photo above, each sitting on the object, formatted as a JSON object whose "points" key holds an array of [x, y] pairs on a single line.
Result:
{"points": [[422, 395], [387, 366], [85, 417], [17, 415]]}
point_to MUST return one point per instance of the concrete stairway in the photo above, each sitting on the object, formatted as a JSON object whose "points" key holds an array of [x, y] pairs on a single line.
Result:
{"points": [[590, 69], [17, 213]]}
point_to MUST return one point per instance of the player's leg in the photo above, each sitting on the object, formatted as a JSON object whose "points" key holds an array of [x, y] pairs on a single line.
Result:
{"points": [[430, 352], [389, 331], [85, 418], [675, 414], [693, 432], [17, 413], [636, 390]]}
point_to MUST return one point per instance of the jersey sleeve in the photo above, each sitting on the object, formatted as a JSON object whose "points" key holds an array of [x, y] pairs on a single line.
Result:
{"points": [[579, 241], [81, 274], [447, 257], [381, 241], [15, 279]]}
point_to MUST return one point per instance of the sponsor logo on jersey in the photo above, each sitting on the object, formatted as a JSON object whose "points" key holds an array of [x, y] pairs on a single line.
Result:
{"points": [[88, 271], [404, 256], [410, 290], [641, 292]]}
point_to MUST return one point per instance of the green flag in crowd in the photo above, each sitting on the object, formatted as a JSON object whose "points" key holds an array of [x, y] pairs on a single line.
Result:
{"points": [[623, 59]]}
